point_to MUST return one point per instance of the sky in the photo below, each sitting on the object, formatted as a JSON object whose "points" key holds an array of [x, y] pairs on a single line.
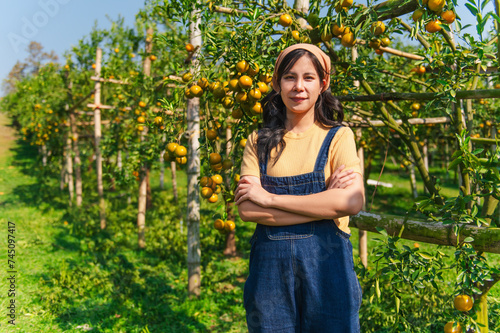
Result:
{"points": [[59, 24]]}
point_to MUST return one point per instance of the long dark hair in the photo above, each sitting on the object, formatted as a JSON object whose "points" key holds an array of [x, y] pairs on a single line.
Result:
{"points": [[327, 110]]}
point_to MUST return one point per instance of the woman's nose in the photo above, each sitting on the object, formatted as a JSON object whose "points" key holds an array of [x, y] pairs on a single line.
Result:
{"points": [[299, 85]]}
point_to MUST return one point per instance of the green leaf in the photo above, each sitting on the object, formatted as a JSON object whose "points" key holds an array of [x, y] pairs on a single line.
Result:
{"points": [[468, 240], [425, 255], [472, 9], [454, 163]]}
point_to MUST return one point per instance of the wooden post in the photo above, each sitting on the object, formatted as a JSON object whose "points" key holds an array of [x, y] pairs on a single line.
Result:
{"points": [[193, 170], [162, 166], [173, 167], [302, 6], [413, 181], [362, 234], [44, 155], [97, 139], [76, 152], [69, 169], [230, 249], [143, 186]]}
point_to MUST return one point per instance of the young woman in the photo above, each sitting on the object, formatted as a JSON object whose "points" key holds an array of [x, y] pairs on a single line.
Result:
{"points": [[302, 275]]}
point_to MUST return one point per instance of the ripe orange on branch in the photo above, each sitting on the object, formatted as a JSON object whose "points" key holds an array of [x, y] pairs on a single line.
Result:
{"points": [[263, 87], [378, 28], [452, 327], [219, 224], [189, 47], [348, 40], [229, 225], [245, 82], [180, 151], [433, 26], [242, 66], [196, 91], [417, 14], [285, 20], [336, 30], [448, 16], [436, 5], [141, 119], [463, 303], [214, 158]]}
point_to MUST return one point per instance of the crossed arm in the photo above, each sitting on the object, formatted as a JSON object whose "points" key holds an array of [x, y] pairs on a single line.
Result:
{"points": [[344, 196]]}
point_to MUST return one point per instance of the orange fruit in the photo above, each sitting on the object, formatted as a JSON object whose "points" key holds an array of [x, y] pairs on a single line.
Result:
{"points": [[117, 50], [172, 146], [415, 106], [296, 35], [348, 40], [263, 87], [241, 97], [379, 52], [152, 57], [236, 177], [180, 151], [206, 192], [375, 43], [196, 91], [188, 94], [385, 42], [243, 143], [336, 30], [203, 83], [285, 20], [488, 123], [346, 3], [448, 16], [463, 303], [242, 66], [213, 198], [227, 164], [265, 77], [219, 224], [227, 102], [215, 158], [253, 70], [214, 85], [233, 85], [186, 77], [255, 94], [216, 167], [417, 14], [181, 160], [416, 245], [141, 120], [256, 108], [142, 104], [449, 327], [245, 82], [158, 120], [206, 182], [378, 28], [433, 26], [93, 66], [436, 5], [217, 179], [189, 47], [237, 113], [229, 225], [211, 134]]}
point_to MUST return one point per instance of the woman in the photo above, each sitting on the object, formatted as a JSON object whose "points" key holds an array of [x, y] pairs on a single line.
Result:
{"points": [[302, 275]]}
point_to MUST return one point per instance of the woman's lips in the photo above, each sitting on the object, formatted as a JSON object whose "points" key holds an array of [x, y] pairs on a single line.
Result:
{"points": [[298, 99]]}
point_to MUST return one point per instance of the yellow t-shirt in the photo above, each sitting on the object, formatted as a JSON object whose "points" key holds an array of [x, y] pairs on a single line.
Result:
{"points": [[300, 153]]}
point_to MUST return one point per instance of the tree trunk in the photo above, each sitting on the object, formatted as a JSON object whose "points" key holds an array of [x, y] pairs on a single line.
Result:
{"points": [[162, 167], [230, 249], [144, 175], [97, 137], [193, 171], [173, 167], [362, 234], [413, 181], [78, 161], [69, 170]]}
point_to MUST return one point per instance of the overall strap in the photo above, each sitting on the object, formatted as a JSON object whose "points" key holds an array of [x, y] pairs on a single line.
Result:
{"points": [[262, 164], [325, 147]]}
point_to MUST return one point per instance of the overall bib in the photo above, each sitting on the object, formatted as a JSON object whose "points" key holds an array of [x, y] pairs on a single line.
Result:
{"points": [[302, 277]]}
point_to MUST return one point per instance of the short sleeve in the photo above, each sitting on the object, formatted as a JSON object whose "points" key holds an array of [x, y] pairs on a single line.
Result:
{"points": [[250, 162], [343, 151]]}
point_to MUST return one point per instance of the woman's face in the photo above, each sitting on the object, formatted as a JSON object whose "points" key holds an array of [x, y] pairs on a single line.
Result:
{"points": [[300, 87]]}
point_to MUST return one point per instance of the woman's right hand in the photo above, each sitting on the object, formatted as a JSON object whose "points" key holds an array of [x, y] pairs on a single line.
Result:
{"points": [[340, 179]]}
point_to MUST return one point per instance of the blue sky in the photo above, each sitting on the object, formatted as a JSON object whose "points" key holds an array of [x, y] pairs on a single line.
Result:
{"points": [[59, 24]]}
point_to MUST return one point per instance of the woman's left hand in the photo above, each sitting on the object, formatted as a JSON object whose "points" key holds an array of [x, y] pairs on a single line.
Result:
{"points": [[251, 189]]}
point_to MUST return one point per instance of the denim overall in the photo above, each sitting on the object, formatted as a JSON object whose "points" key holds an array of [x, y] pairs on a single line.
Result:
{"points": [[302, 276]]}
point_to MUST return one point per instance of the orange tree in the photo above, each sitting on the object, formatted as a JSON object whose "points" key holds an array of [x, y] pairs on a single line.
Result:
{"points": [[240, 43]]}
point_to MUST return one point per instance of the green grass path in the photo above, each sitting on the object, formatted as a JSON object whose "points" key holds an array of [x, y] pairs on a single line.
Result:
{"points": [[21, 202]]}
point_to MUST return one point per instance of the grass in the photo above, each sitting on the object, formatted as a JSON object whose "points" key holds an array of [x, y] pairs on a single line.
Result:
{"points": [[71, 275]]}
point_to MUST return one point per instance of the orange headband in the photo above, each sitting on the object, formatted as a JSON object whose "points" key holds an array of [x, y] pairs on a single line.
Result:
{"points": [[318, 53]]}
